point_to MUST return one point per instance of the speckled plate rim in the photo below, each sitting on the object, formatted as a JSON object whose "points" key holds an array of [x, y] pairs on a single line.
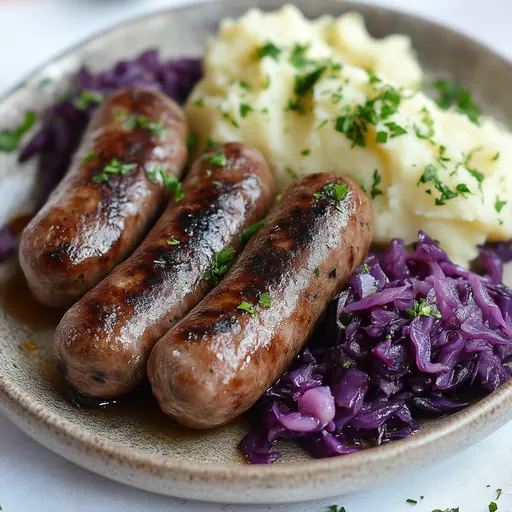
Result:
{"points": [[246, 483]]}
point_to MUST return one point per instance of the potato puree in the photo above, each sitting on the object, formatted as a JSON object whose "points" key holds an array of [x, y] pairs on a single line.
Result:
{"points": [[323, 95]]}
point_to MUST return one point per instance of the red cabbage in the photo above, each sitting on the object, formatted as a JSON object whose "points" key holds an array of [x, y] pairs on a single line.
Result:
{"points": [[412, 334]]}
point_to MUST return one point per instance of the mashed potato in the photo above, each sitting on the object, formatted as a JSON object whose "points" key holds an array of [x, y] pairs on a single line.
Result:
{"points": [[325, 96]]}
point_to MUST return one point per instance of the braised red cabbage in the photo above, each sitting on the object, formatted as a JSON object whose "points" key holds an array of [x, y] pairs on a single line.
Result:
{"points": [[412, 334]]}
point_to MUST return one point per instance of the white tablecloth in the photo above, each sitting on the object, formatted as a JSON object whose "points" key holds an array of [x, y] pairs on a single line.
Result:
{"points": [[32, 479]]}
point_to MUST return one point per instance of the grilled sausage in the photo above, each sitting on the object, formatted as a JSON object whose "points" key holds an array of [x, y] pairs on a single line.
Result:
{"points": [[106, 202], [103, 342], [216, 362]]}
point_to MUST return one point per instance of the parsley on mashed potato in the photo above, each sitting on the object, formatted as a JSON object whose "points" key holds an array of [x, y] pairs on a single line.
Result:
{"points": [[323, 95]]}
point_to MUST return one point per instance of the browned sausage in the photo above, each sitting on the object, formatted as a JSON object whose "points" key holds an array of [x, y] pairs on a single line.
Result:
{"points": [[103, 342], [216, 362], [94, 219]]}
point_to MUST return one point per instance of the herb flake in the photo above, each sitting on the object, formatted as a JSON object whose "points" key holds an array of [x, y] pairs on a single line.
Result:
{"points": [[220, 265], [10, 139], [247, 306]]}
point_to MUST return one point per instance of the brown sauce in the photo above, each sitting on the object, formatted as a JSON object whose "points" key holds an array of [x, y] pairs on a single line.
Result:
{"points": [[17, 300]]}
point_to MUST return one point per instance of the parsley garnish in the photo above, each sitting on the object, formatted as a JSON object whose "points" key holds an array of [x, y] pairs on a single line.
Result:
{"points": [[451, 94], [493, 507], [220, 265], [245, 109], [337, 508], [411, 501], [171, 183], [336, 191], [372, 77], [138, 121], [208, 172], [114, 167], [157, 128], [265, 301], [499, 492], [291, 172], [278, 197], [199, 102], [247, 306], [421, 308], [248, 232], [498, 205], [9, 140], [495, 157], [298, 55], [228, 117], [218, 159], [382, 137], [86, 99], [430, 175], [428, 122], [322, 124], [305, 152], [365, 268], [244, 85], [268, 81], [462, 189], [88, 157], [377, 178], [210, 143], [316, 272], [173, 241], [269, 50], [192, 140], [354, 125], [395, 130]]}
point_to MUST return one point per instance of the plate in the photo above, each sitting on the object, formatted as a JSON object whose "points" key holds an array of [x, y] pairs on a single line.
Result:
{"points": [[134, 442]]}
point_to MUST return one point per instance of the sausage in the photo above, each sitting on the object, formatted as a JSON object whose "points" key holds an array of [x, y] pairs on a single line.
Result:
{"points": [[94, 219], [216, 362], [103, 342]]}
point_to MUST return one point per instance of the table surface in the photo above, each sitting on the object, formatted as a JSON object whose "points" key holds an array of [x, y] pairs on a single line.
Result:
{"points": [[33, 479]]}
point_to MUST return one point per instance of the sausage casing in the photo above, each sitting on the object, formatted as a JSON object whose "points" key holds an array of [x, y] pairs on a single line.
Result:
{"points": [[216, 362], [103, 342], [106, 202]]}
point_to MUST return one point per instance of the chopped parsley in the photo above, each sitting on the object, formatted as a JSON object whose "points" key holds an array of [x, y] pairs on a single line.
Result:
{"points": [[10, 139], [247, 306], [114, 167], [218, 159], [462, 189], [298, 55], [421, 308], [376, 179], [354, 125], [171, 183], [499, 492], [496, 157], [395, 130], [365, 268], [372, 77], [291, 172], [382, 137], [278, 197], [88, 157], [451, 94], [265, 300], [269, 49], [316, 272], [498, 205], [428, 122], [173, 241], [138, 121], [45, 81], [305, 152], [220, 265], [86, 99], [244, 85], [268, 81], [336, 191], [411, 501], [322, 124], [245, 109], [209, 172], [493, 507], [210, 143], [248, 232], [228, 117], [199, 102], [192, 140], [430, 175], [337, 508]]}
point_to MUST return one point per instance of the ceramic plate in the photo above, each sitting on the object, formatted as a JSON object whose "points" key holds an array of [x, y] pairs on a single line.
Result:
{"points": [[136, 444]]}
